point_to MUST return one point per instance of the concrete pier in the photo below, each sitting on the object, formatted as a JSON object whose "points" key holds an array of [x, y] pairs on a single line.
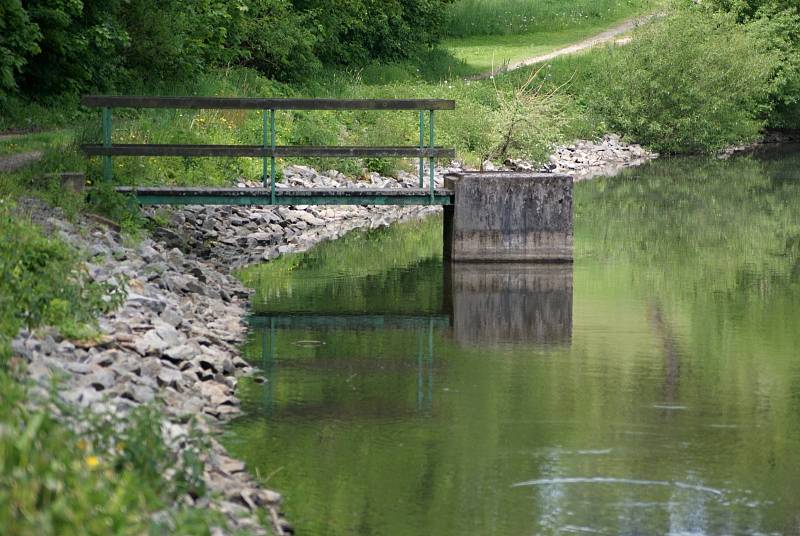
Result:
{"points": [[508, 217]]}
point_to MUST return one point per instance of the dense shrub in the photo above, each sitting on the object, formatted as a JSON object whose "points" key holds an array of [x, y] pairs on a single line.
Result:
{"points": [[351, 32], [777, 22], [695, 81], [277, 40], [80, 45]]}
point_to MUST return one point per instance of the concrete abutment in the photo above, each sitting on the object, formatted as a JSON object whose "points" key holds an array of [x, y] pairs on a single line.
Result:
{"points": [[509, 217]]}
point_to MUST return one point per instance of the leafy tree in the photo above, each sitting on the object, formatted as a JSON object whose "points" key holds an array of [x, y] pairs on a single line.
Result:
{"points": [[352, 32], [276, 39], [19, 39], [80, 46], [52, 47]]}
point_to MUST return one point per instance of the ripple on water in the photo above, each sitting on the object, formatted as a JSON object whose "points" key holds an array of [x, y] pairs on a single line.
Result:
{"points": [[623, 481]]}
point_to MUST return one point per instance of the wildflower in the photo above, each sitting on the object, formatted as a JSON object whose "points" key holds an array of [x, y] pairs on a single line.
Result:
{"points": [[92, 461]]}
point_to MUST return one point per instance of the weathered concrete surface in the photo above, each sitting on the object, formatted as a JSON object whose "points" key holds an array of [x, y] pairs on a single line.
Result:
{"points": [[510, 303], [509, 217]]}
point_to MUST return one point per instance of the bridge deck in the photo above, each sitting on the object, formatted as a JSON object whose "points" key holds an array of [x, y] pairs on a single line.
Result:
{"points": [[289, 196]]}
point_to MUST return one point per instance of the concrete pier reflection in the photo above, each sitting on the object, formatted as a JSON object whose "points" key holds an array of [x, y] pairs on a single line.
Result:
{"points": [[495, 303]]}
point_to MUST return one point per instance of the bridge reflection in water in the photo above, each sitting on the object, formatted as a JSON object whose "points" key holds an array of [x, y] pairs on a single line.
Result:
{"points": [[481, 305]]}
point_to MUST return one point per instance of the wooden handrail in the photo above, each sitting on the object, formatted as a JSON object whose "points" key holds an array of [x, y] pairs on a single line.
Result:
{"points": [[259, 151], [244, 103]]}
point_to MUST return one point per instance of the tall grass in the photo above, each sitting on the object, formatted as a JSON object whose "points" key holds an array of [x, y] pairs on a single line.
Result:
{"points": [[505, 17]]}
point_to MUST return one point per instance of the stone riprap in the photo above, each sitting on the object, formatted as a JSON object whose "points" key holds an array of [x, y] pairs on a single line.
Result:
{"points": [[586, 159], [173, 343], [231, 237]]}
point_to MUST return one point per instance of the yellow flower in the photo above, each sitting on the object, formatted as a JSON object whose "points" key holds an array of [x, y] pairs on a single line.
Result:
{"points": [[92, 461], [82, 444]]}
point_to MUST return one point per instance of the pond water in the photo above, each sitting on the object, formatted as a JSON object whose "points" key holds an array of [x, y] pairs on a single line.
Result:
{"points": [[651, 388]]}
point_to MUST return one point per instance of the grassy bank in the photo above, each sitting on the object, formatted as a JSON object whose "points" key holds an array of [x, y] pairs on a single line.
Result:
{"points": [[105, 478]]}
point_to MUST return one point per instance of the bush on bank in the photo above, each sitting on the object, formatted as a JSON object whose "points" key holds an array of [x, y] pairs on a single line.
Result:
{"points": [[695, 81], [43, 284], [777, 22]]}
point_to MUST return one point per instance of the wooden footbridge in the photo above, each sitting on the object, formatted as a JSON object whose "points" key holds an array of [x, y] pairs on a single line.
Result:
{"points": [[269, 151], [488, 217]]}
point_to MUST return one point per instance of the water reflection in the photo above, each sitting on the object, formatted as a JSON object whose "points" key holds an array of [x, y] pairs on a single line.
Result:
{"points": [[654, 388], [510, 303]]}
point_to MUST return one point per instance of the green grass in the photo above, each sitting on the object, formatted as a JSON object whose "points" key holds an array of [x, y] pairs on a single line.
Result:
{"points": [[481, 53], [107, 479], [35, 141], [506, 17]]}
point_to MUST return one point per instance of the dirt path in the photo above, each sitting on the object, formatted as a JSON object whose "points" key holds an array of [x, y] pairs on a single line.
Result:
{"points": [[599, 39]]}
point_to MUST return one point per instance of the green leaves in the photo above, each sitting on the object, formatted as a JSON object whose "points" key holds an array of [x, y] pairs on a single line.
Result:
{"points": [[18, 41], [693, 82]]}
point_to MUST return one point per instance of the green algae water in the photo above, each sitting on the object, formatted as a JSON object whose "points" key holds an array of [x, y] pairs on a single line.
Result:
{"points": [[651, 388]]}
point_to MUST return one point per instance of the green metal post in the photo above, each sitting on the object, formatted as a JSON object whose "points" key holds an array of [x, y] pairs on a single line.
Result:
{"points": [[430, 162], [108, 165], [264, 141], [421, 147], [272, 141]]}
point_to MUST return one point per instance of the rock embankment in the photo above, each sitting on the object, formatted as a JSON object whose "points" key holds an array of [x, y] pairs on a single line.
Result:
{"points": [[173, 344], [586, 159]]}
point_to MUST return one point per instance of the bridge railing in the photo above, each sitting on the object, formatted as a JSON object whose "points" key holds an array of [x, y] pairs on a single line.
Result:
{"points": [[268, 149]]}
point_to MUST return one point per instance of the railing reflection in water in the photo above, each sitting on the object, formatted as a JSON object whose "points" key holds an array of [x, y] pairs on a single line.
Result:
{"points": [[484, 305]]}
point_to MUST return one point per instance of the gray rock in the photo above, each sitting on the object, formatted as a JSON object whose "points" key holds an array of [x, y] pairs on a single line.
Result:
{"points": [[151, 369], [79, 368], [170, 377], [179, 354], [150, 343], [152, 304], [171, 316], [169, 336], [101, 379]]}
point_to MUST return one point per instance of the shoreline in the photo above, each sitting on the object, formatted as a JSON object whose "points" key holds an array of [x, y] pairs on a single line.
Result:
{"points": [[174, 343]]}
